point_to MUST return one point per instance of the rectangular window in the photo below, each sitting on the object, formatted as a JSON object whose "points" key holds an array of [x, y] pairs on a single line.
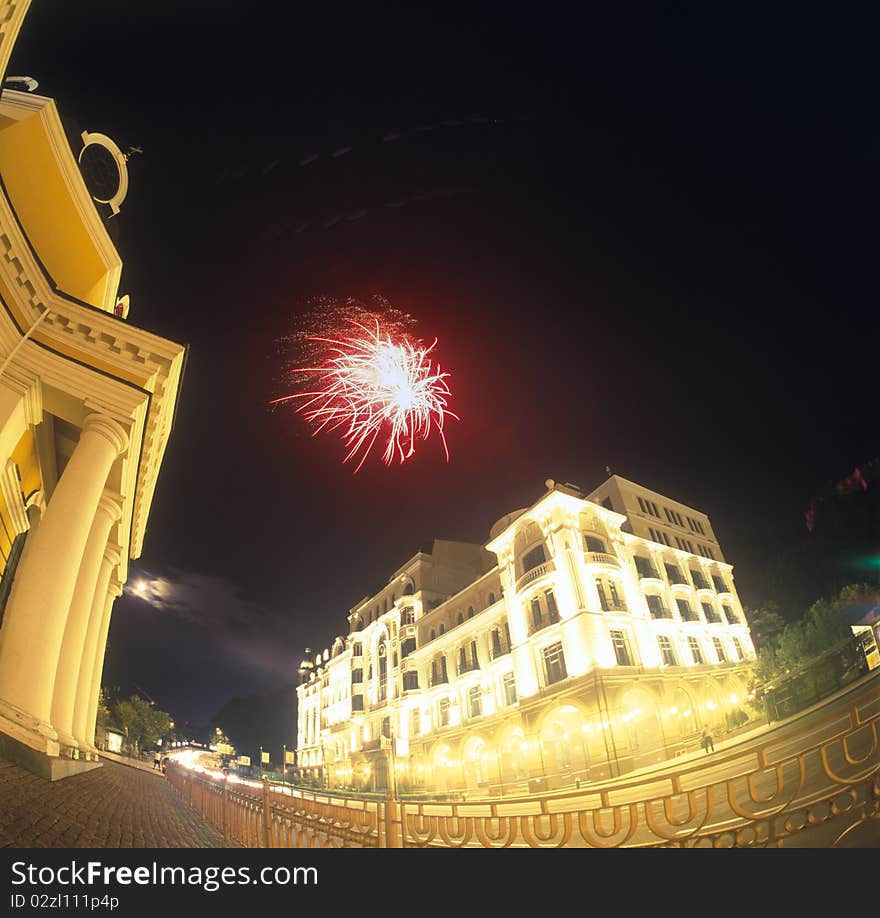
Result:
{"points": [[621, 648], [552, 610], [508, 685], [696, 651], [536, 612], [700, 581], [644, 567], [685, 610], [415, 722], [667, 652], [600, 589], [710, 613], [615, 599], [642, 506], [496, 643], [720, 585], [475, 706], [410, 680], [443, 712], [738, 648], [357, 676], [719, 650], [654, 509], [674, 574], [656, 607], [554, 663], [730, 615]]}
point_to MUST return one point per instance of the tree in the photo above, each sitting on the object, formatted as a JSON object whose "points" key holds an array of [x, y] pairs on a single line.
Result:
{"points": [[141, 722], [103, 717], [824, 626], [765, 624]]}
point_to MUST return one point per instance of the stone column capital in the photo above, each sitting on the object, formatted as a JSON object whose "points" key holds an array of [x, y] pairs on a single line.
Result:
{"points": [[112, 431], [111, 505], [116, 587], [113, 554]]}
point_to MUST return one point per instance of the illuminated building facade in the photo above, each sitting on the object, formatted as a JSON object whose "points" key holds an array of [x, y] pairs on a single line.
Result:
{"points": [[87, 402], [593, 635]]}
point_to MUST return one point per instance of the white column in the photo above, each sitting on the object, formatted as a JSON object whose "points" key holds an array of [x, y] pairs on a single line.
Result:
{"points": [[95, 634], [73, 660], [35, 619], [91, 711]]}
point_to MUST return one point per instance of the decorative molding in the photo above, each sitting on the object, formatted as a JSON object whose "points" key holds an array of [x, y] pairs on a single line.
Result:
{"points": [[10, 484]]}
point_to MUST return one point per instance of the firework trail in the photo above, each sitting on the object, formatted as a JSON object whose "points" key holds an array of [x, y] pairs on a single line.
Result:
{"points": [[362, 371]]}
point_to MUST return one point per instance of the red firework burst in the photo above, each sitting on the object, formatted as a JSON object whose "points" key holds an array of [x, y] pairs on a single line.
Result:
{"points": [[372, 384]]}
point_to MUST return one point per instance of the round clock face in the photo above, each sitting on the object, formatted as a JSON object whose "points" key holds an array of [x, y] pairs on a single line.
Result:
{"points": [[102, 165], [100, 172]]}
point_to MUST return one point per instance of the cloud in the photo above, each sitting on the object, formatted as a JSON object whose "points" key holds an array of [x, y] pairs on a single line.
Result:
{"points": [[204, 599], [255, 635]]}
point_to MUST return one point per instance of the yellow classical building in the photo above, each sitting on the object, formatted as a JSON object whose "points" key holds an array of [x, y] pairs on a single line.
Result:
{"points": [[592, 635], [87, 402]]}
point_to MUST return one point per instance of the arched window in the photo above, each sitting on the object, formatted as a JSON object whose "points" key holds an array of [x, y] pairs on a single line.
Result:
{"points": [[409, 589], [470, 611], [460, 619], [594, 544], [433, 634], [491, 599], [442, 629]]}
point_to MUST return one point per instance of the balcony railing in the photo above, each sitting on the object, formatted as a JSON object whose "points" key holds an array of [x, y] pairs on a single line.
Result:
{"points": [[545, 621], [468, 667], [712, 617], [439, 679], [501, 651], [661, 612], [598, 557], [609, 605], [531, 575], [732, 617], [701, 583]]}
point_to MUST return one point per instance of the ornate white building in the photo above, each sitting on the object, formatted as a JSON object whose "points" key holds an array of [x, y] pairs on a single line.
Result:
{"points": [[592, 636]]}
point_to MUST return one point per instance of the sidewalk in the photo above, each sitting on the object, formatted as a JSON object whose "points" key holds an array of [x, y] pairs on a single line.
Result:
{"points": [[110, 807]]}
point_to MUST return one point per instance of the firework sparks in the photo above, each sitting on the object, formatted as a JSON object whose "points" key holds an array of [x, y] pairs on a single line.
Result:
{"points": [[374, 383]]}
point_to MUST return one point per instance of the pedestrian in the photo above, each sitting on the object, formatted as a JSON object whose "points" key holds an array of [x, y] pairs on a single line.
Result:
{"points": [[157, 762], [707, 742]]}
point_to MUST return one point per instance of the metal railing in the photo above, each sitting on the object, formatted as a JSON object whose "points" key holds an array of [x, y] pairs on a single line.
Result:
{"points": [[812, 782]]}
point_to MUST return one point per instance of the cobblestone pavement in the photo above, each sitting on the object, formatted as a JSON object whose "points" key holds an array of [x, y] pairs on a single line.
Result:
{"points": [[110, 807]]}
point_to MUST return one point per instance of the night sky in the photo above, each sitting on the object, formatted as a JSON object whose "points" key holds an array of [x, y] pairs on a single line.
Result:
{"points": [[642, 243]]}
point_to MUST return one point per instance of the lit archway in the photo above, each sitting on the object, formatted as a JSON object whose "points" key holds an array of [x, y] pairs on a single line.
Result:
{"points": [[475, 763]]}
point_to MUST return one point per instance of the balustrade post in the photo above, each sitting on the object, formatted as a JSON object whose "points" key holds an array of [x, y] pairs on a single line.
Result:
{"points": [[393, 832], [266, 813], [223, 814]]}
